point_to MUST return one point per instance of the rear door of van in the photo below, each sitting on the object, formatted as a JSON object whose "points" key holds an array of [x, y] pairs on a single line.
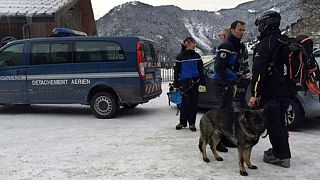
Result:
{"points": [[149, 68]]}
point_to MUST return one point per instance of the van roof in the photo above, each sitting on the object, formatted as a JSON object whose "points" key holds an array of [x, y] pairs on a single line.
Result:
{"points": [[75, 38]]}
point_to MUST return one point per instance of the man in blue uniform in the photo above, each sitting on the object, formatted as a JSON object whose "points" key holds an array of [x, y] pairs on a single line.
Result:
{"points": [[231, 55], [188, 75]]}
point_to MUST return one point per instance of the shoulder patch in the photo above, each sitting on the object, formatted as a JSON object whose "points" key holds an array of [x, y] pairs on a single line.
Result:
{"points": [[223, 55]]}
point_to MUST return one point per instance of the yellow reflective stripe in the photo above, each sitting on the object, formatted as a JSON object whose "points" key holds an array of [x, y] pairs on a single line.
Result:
{"points": [[256, 87]]}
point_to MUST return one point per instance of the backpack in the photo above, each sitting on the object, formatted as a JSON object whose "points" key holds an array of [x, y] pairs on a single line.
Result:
{"points": [[302, 70]]}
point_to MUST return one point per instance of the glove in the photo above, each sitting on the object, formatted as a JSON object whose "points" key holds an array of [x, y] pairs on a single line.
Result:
{"points": [[202, 89]]}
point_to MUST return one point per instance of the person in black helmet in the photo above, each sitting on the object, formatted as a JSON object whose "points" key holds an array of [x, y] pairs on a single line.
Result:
{"points": [[188, 75], [269, 89]]}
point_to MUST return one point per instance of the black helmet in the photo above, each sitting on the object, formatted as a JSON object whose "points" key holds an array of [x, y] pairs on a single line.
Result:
{"points": [[268, 19]]}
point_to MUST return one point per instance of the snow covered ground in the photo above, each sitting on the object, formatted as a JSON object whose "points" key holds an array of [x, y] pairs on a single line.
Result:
{"points": [[68, 142]]}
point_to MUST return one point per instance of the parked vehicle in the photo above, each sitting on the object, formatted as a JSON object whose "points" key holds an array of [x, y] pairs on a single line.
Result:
{"points": [[305, 105], [103, 72]]}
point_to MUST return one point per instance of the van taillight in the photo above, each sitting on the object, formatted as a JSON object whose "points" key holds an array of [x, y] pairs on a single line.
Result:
{"points": [[140, 59]]}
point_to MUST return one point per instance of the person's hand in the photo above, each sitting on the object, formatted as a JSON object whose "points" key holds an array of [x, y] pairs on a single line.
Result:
{"points": [[235, 89], [202, 89], [253, 101]]}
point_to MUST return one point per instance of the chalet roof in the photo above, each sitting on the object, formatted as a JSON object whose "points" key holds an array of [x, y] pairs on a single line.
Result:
{"points": [[30, 8]]}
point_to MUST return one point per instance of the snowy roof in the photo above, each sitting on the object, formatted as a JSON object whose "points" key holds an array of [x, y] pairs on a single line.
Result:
{"points": [[31, 7]]}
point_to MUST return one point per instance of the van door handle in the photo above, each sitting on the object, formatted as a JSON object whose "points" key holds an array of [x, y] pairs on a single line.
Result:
{"points": [[21, 72]]}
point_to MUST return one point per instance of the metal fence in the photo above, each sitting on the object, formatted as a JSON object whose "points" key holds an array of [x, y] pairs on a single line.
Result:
{"points": [[167, 75]]}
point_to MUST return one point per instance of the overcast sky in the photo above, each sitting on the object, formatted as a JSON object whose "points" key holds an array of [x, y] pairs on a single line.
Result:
{"points": [[101, 7]]}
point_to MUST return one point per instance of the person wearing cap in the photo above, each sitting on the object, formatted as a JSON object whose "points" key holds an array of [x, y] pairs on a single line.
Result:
{"points": [[269, 89], [230, 55], [188, 75]]}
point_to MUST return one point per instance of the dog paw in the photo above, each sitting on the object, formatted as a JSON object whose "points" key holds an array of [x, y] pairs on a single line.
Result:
{"points": [[243, 173], [219, 159], [252, 167], [206, 160]]}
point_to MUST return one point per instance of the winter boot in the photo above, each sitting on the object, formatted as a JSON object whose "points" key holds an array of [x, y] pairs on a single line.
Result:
{"points": [[180, 126], [193, 128]]}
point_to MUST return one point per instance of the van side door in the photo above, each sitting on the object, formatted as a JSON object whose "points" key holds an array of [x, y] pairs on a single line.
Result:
{"points": [[48, 76], [12, 74]]}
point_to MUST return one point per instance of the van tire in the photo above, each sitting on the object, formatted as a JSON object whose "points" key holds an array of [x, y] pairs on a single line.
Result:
{"points": [[130, 106], [294, 115], [104, 105]]}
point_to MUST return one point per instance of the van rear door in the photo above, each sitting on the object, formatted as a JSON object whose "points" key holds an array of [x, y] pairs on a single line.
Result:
{"points": [[149, 67]]}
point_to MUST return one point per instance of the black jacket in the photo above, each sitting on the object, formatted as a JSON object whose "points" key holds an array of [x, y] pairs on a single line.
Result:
{"points": [[232, 44], [187, 55], [268, 80]]}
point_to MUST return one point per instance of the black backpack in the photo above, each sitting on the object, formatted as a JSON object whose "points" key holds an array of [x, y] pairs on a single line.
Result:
{"points": [[302, 70]]}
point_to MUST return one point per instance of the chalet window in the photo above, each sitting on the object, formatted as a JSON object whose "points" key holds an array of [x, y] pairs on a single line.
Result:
{"points": [[12, 56], [50, 53], [96, 51]]}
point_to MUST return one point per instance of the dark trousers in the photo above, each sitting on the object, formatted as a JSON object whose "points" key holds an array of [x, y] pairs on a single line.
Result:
{"points": [[278, 132], [225, 102], [189, 106]]}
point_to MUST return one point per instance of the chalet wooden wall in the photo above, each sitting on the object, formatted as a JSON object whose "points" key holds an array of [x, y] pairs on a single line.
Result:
{"points": [[11, 29]]}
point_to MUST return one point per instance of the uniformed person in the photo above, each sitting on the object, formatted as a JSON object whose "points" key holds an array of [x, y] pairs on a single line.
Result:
{"points": [[230, 55], [188, 75]]}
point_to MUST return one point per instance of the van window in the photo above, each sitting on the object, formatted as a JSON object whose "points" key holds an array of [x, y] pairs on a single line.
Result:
{"points": [[12, 56], [150, 54], [93, 51], [59, 53], [50, 53]]}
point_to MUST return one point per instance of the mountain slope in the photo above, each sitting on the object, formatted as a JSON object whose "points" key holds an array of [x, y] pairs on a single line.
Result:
{"points": [[167, 25]]}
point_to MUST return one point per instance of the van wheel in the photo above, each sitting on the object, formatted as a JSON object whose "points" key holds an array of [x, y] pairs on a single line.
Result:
{"points": [[131, 106], [104, 105], [294, 115]]}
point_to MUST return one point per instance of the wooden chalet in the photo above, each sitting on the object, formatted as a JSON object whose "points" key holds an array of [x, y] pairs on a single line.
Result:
{"points": [[37, 18]]}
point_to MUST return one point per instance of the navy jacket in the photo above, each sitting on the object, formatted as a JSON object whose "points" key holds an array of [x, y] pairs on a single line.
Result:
{"points": [[188, 66], [229, 56]]}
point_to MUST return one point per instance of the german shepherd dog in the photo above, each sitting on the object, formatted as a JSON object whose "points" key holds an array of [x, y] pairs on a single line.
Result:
{"points": [[243, 128]]}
